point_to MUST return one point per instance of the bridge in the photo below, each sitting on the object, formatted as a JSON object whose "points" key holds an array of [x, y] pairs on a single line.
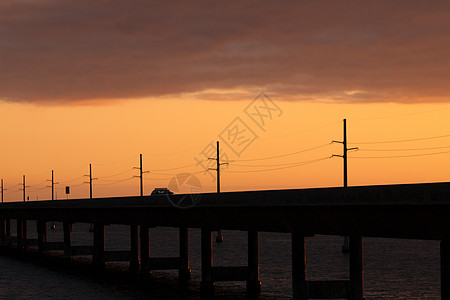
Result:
{"points": [[412, 211]]}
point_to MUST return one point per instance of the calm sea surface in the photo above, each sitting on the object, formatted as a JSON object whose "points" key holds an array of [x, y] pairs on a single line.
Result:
{"points": [[394, 269]]}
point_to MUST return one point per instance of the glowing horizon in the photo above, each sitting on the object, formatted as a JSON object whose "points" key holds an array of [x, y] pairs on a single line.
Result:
{"points": [[171, 134]]}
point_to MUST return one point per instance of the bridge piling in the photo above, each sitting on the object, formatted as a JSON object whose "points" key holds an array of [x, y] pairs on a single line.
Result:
{"points": [[41, 227], [98, 256], [144, 237], [184, 273], [2, 232], [445, 269], [134, 240], [356, 268], [67, 227], [253, 282], [352, 289], [8, 231], [24, 233], [207, 283], [19, 228], [299, 286]]}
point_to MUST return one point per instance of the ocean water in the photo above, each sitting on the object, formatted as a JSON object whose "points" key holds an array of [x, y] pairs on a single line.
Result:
{"points": [[394, 268]]}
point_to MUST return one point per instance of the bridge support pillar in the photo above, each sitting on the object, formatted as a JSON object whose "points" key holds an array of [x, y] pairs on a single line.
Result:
{"points": [[248, 273], [184, 273], [350, 289], [2, 232], [67, 227], [8, 231], [207, 283], [356, 268], [41, 228], [98, 256], [19, 228], [134, 257], [299, 286], [144, 235], [445, 269], [24, 233], [253, 282]]}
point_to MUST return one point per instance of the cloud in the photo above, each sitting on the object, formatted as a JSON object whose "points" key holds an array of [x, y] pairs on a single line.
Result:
{"points": [[60, 52]]}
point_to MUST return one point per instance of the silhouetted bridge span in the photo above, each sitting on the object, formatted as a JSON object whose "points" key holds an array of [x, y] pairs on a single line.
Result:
{"points": [[416, 211]]}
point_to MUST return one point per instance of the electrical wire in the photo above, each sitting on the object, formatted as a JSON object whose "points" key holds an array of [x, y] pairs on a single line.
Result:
{"points": [[172, 174], [270, 165], [121, 173], [403, 141], [283, 155], [72, 180], [172, 153], [186, 166], [115, 182], [281, 168], [400, 115], [401, 156], [409, 149], [36, 190], [38, 184], [299, 132]]}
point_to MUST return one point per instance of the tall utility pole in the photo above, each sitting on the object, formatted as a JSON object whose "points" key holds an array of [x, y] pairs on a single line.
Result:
{"points": [[24, 188], [141, 177], [344, 155], [218, 169], [3, 189], [345, 247], [53, 186], [219, 237], [90, 180]]}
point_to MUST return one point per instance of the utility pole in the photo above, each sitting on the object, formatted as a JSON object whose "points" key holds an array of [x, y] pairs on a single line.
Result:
{"points": [[345, 247], [53, 186], [141, 177], [3, 189], [23, 188], [90, 180], [219, 237]]}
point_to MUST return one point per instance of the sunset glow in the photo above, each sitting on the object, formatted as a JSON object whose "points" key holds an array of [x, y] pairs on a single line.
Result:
{"points": [[105, 89]]}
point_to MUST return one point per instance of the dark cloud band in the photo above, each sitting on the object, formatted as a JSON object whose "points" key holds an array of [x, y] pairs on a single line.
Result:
{"points": [[63, 51]]}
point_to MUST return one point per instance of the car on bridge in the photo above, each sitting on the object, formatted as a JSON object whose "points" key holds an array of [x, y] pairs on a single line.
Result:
{"points": [[161, 191]]}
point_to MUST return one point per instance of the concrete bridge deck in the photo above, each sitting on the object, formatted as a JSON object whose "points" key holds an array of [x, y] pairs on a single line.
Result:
{"points": [[417, 211]]}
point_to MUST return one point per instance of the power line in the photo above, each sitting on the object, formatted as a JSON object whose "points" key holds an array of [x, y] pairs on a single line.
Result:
{"points": [[123, 180], [283, 155], [38, 184], [173, 174], [158, 179], [269, 165], [401, 156], [400, 115], [403, 141], [121, 173], [177, 168], [406, 149], [172, 153], [299, 132], [72, 180], [281, 168]]}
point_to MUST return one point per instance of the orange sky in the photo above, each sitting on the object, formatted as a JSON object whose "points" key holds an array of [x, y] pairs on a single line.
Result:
{"points": [[170, 133], [101, 82]]}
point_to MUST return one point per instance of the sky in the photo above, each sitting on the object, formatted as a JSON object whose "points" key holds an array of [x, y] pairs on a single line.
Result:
{"points": [[101, 82]]}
